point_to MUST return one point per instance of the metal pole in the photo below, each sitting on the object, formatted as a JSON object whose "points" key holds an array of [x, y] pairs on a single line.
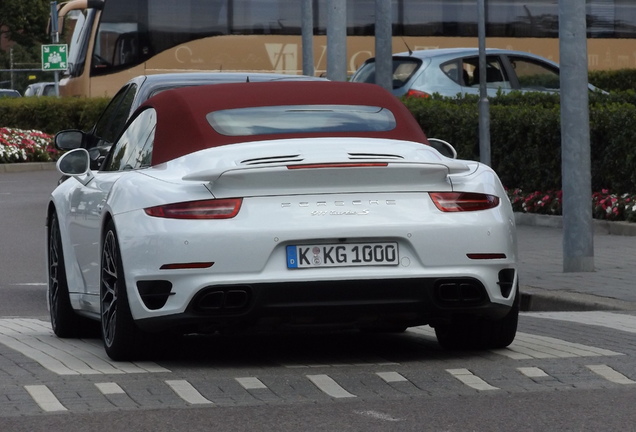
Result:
{"points": [[337, 40], [578, 228], [484, 104], [307, 24], [11, 66], [383, 48], [55, 38]]}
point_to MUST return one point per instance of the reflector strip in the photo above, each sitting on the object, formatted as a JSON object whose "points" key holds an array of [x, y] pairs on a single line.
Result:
{"points": [[339, 165], [486, 256], [180, 266]]}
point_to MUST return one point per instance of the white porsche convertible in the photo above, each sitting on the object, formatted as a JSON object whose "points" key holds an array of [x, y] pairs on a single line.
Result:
{"points": [[275, 205]]}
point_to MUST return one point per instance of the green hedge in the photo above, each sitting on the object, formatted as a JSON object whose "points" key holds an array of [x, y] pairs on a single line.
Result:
{"points": [[50, 114], [525, 133], [525, 130], [613, 80]]}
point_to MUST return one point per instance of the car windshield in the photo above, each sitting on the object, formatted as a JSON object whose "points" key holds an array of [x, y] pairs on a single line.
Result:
{"points": [[301, 119]]}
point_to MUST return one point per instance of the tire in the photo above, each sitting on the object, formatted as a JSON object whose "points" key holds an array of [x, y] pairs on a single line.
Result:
{"points": [[64, 321], [502, 332], [473, 333], [121, 337]]}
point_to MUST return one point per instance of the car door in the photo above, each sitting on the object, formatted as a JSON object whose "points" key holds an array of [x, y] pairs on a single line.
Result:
{"points": [[85, 215], [533, 75], [497, 77], [89, 202]]}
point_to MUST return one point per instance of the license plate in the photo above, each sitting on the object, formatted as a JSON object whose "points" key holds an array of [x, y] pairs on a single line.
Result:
{"points": [[342, 255]]}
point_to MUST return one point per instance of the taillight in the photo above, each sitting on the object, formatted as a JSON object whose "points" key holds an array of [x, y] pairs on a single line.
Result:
{"points": [[206, 209], [417, 94], [463, 201]]}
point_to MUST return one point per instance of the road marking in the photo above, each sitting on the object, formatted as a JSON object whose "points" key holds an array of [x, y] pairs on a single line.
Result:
{"points": [[371, 362], [610, 374], [30, 284], [615, 321], [251, 383], [390, 377], [327, 385], [35, 339], [45, 398], [528, 346], [378, 416], [110, 388], [187, 392], [467, 377], [532, 372]]}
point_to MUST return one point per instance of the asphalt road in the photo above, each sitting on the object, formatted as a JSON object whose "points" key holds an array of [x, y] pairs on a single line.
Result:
{"points": [[566, 371], [23, 200], [585, 410]]}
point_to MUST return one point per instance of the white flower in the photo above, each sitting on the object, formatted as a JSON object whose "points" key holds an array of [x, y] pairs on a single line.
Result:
{"points": [[18, 145]]}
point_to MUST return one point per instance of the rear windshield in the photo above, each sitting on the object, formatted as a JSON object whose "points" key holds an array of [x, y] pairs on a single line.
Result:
{"points": [[403, 69], [301, 119]]}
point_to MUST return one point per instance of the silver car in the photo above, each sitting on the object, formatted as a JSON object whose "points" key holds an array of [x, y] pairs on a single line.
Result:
{"points": [[9, 93], [40, 89], [455, 71]]}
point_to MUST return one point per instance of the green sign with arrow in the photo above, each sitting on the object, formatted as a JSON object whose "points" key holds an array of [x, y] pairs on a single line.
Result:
{"points": [[54, 57]]}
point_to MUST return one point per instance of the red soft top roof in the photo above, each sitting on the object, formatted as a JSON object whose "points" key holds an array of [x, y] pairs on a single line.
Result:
{"points": [[182, 127]]}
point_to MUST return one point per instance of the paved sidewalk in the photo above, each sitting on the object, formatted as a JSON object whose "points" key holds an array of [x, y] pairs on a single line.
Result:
{"points": [[544, 285], [26, 166]]}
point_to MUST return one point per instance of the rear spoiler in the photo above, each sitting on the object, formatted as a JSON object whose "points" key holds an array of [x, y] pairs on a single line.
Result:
{"points": [[319, 178]]}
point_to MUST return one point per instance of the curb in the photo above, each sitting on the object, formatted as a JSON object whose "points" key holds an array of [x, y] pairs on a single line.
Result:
{"points": [[26, 166], [600, 226], [540, 300]]}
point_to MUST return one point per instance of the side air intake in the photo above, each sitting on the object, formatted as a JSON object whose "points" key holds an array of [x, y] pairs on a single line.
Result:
{"points": [[154, 293]]}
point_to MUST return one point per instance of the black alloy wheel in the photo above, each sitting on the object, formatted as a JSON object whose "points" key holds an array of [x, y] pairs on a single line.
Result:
{"points": [[119, 332], [64, 321]]}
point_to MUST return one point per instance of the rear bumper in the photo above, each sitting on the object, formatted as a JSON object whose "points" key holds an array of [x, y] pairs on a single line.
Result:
{"points": [[374, 303]]}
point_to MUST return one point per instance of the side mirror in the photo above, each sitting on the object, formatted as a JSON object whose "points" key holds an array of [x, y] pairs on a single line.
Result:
{"points": [[69, 139], [74, 163], [445, 148]]}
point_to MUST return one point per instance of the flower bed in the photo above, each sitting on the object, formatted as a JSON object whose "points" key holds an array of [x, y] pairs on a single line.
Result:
{"points": [[605, 205], [17, 145]]}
